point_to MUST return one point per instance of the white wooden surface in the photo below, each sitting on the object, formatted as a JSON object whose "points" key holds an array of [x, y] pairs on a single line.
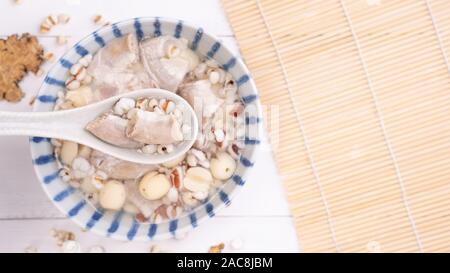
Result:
{"points": [[259, 215]]}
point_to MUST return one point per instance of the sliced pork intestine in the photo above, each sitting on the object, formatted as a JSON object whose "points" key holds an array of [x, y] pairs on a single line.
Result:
{"points": [[167, 71], [154, 128], [111, 82], [119, 53], [134, 196], [201, 96], [119, 169], [117, 68], [111, 128]]}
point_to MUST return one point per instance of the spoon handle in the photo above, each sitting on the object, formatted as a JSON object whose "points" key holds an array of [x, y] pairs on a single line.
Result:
{"points": [[42, 124]]}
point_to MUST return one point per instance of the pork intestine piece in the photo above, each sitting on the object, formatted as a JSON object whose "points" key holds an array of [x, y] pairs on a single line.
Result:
{"points": [[154, 128], [167, 71], [116, 69], [119, 53], [201, 96], [119, 169], [111, 128]]}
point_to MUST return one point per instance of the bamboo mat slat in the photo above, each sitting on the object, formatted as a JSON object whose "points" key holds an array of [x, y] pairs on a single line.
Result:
{"points": [[356, 95]]}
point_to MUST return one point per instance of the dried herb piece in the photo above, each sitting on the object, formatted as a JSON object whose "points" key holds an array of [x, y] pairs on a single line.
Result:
{"points": [[17, 57]]}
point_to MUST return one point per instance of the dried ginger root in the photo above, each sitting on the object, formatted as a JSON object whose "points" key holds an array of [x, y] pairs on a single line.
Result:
{"points": [[17, 57]]}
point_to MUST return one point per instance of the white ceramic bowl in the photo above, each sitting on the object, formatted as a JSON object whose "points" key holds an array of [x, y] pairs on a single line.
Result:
{"points": [[120, 225]]}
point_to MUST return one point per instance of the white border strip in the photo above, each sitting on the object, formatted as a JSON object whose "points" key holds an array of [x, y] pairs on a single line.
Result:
{"points": [[383, 128]]}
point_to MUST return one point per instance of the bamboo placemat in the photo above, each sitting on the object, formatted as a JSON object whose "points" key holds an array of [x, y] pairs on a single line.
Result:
{"points": [[362, 89]]}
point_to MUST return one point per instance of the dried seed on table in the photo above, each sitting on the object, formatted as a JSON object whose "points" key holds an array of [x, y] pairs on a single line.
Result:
{"points": [[217, 248], [71, 246], [31, 249], [52, 232], [155, 249], [44, 28], [51, 20], [49, 56], [96, 249], [98, 19], [32, 101], [39, 73], [63, 18]]}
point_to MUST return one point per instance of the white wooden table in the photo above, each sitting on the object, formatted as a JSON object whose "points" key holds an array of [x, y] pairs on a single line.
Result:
{"points": [[259, 215]]}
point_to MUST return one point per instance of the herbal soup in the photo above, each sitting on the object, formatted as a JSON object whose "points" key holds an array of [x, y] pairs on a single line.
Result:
{"points": [[153, 193]]}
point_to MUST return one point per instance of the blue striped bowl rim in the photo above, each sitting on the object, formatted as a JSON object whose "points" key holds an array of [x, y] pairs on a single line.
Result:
{"points": [[120, 225]]}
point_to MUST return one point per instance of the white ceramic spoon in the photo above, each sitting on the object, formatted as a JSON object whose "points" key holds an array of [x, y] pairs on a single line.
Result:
{"points": [[70, 125]]}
